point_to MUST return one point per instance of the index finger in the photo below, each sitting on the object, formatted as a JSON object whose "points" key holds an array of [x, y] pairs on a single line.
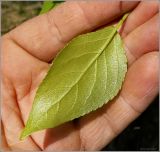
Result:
{"points": [[45, 34]]}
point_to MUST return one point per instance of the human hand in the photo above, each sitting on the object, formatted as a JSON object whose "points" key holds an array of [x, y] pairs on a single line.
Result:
{"points": [[28, 50]]}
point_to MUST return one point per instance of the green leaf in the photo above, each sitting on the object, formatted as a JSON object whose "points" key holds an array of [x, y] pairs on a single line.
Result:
{"points": [[86, 74], [48, 5]]}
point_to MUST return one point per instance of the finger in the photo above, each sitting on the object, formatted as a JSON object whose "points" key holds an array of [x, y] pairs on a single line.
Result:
{"points": [[44, 35], [11, 120], [139, 90], [4, 144], [142, 13], [142, 40]]}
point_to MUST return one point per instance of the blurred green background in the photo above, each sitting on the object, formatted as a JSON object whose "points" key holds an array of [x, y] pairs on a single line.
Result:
{"points": [[142, 134]]}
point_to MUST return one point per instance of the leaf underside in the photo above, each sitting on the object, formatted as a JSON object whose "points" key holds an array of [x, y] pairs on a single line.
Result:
{"points": [[86, 74]]}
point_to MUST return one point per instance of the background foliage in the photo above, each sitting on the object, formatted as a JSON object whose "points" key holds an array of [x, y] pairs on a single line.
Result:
{"points": [[142, 134]]}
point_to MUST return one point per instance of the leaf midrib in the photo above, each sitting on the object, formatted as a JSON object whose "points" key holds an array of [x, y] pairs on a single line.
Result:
{"points": [[103, 48]]}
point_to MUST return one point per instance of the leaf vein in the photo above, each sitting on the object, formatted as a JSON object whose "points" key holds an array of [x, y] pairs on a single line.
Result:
{"points": [[76, 57], [117, 75], [93, 82], [89, 42], [76, 97], [103, 47]]}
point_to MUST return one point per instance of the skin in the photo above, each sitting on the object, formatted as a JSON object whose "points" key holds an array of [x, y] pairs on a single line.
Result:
{"points": [[26, 54]]}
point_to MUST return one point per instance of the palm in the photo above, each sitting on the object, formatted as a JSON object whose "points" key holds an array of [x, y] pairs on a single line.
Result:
{"points": [[25, 66]]}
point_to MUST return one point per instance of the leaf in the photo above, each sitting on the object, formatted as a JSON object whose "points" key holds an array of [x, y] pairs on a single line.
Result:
{"points": [[48, 5], [86, 74]]}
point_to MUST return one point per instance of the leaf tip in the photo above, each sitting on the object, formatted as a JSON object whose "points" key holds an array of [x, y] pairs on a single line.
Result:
{"points": [[22, 136], [25, 133]]}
